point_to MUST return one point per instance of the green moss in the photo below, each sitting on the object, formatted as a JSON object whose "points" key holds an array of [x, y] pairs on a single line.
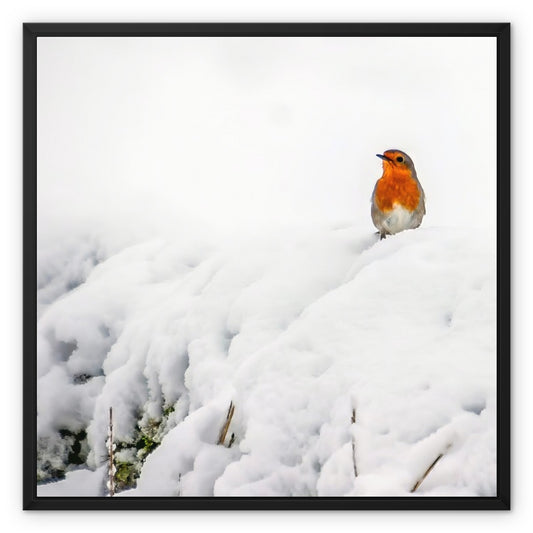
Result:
{"points": [[135, 453], [125, 476], [167, 411], [146, 444], [131, 455]]}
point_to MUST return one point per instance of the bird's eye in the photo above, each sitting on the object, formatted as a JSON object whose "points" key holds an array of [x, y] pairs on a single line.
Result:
{"points": [[399, 159]]}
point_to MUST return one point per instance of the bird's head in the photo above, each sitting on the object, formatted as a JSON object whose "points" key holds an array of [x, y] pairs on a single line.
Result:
{"points": [[397, 162]]}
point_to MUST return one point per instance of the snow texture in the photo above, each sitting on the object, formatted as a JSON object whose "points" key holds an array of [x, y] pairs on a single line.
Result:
{"points": [[303, 331]]}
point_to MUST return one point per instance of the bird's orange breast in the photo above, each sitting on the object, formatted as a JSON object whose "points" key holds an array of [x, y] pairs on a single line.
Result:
{"points": [[396, 187]]}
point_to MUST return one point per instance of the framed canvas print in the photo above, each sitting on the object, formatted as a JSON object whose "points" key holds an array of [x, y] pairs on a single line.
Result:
{"points": [[230, 302]]}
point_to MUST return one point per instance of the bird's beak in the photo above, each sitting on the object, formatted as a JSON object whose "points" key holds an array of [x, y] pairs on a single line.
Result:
{"points": [[384, 157]]}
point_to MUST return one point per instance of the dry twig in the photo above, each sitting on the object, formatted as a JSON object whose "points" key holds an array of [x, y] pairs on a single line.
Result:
{"points": [[353, 419], [225, 427], [111, 467], [429, 469]]}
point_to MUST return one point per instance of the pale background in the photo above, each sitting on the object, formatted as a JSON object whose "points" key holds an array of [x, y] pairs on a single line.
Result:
{"points": [[247, 134], [14, 13]]}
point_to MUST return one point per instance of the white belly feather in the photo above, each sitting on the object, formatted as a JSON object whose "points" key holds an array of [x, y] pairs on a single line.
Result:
{"points": [[398, 219]]}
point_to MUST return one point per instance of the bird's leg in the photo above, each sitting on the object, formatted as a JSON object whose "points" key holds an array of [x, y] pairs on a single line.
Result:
{"points": [[382, 236]]}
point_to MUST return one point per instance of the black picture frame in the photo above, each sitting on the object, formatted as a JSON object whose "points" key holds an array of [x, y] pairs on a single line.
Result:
{"points": [[31, 33]]}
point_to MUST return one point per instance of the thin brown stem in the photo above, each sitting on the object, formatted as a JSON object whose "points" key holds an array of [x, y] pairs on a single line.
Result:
{"points": [[111, 457], [225, 427], [429, 469], [353, 419]]}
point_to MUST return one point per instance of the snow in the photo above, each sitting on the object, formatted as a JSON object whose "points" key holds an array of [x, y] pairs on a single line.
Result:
{"points": [[298, 329], [205, 240], [78, 483]]}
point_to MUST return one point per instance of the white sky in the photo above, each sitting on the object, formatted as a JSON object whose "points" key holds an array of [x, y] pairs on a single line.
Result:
{"points": [[253, 132]]}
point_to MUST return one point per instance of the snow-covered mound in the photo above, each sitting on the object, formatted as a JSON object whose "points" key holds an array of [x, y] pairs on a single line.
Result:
{"points": [[352, 364]]}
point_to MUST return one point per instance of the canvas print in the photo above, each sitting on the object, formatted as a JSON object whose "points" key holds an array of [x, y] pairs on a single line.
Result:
{"points": [[266, 267]]}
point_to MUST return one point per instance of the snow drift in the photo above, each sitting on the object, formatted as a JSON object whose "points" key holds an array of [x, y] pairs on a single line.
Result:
{"points": [[352, 364]]}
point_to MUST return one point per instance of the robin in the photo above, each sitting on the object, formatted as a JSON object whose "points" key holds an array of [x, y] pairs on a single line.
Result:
{"points": [[398, 197]]}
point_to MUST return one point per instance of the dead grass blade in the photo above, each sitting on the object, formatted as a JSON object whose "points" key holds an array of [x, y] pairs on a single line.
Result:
{"points": [[225, 427], [353, 420], [429, 469]]}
